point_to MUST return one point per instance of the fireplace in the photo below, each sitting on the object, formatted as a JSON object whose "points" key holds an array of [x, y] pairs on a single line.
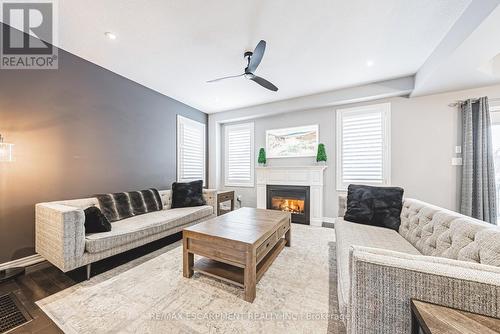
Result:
{"points": [[309, 177], [294, 199]]}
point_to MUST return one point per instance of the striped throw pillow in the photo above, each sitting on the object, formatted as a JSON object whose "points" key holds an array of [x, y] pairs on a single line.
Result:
{"points": [[119, 206]]}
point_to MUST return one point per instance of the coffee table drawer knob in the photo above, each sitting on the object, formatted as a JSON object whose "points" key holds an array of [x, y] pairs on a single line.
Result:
{"points": [[283, 228]]}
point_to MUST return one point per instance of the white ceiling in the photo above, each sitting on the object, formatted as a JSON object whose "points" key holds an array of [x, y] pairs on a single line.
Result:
{"points": [[474, 62], [313, 46]]}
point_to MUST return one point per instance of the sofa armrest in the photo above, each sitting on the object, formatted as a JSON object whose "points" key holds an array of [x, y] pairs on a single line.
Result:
{"points": [[60, 234], [383, 282], [210, 196], [342, 204]]}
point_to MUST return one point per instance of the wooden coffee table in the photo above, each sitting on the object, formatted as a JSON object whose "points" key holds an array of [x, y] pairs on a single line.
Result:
{"points": [[237, 247]]}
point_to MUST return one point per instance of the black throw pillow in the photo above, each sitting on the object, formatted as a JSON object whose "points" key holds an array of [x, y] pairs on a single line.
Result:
{"points": [[187, 194], [378, 206], [359, 205], [119, 206], [95, 221], [152, 200], [144, 201]]}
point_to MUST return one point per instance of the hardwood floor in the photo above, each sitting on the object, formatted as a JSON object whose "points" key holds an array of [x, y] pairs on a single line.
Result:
{"points": [[38, 283], [44, 279]]}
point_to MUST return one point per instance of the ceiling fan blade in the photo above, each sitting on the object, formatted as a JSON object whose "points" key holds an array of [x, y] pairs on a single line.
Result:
{"points": [[256, 57], [264, 83], [228, 77]]}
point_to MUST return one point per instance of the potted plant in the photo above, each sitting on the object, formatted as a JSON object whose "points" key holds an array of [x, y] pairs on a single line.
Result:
{"points": [[262, 157], [321, 156]]}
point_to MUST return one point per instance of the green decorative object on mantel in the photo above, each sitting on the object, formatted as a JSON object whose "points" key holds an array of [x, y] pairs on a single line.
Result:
{"points": [[321, 156], [262, 157]]}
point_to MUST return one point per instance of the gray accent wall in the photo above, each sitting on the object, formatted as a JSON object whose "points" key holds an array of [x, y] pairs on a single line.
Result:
{"points": [[78, 131]]}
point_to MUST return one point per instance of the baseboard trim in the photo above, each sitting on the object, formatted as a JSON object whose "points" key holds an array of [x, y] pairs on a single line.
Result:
{"points": [[328, 220], [23, 262]]}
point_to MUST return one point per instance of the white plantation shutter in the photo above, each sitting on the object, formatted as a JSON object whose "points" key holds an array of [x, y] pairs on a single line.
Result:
{"points": [[239, 155], [190, 150], [363, 145]]}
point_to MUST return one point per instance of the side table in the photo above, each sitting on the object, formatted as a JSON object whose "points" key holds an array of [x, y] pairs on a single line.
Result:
{"points": [[224, 196], [429, 318]]}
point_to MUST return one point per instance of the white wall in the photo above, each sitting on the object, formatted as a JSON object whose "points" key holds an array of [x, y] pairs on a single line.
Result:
{"points": [[424, 133], [323, 117], [362, 93]]}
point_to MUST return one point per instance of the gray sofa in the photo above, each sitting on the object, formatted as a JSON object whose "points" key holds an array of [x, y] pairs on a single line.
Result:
{"points": [[60, 233], [438, 256]]}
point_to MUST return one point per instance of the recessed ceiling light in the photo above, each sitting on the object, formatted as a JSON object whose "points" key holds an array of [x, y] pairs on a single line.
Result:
{"points": [[369, 63], [110, 35]]}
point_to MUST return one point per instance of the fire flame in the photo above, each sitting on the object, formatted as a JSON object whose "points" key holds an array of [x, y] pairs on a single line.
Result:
{"points": [[288, 205]]}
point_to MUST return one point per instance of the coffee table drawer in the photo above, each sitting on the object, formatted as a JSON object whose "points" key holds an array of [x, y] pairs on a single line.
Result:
{"points": [[282, 229], [218, 252], [225, 197], [266, 246]]}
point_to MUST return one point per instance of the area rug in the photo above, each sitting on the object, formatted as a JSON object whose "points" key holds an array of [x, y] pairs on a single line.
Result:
{"points": [[296, 295]]}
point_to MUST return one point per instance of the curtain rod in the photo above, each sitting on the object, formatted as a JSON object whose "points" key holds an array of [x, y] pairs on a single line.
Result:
{"points": [[459, 102]]}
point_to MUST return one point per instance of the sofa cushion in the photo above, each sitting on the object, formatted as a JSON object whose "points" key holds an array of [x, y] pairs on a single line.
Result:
{"points": [[348, 234], [138, 227]]}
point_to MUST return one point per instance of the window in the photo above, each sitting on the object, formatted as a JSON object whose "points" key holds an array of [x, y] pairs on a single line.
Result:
{"points": [[495, 106], [239, 155], [190, 150], [363, 145]]}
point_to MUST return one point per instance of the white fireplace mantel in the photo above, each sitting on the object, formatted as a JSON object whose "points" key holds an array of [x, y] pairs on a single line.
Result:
{"points": [[311, 176]]}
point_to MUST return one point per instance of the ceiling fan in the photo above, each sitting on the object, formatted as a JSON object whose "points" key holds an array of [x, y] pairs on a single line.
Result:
{"points": [[254, 58]]}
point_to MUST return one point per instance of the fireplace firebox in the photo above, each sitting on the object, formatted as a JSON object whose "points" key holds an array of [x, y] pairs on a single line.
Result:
{"points": [[294, 199]]}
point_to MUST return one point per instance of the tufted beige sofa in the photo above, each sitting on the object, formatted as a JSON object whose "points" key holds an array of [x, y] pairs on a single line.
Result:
{"points": [[60, 233], [438, 256]]}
